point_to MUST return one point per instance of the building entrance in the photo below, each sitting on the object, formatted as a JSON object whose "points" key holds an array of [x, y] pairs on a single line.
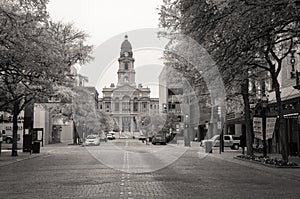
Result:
{"points": [[292, 129]]}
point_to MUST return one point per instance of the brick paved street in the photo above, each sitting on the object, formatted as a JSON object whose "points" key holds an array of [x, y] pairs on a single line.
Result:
{"points": [[75, 172]]}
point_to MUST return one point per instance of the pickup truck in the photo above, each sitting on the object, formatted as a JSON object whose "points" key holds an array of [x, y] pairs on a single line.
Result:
{"points": [[229, 141]]}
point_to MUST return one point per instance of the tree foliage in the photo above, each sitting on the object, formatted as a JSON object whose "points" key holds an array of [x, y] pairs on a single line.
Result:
{"points": [[88, 119], [244, 37], [36, 55]]}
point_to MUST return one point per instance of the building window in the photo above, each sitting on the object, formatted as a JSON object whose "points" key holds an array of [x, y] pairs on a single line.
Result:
{"points": [[172, 106], [126, 106], [117, 106], [180, 118], [126, 66], [135, 106]]}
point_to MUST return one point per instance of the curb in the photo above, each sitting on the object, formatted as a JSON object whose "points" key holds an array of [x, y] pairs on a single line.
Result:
{"points": [[267, 165], [22, 159]]}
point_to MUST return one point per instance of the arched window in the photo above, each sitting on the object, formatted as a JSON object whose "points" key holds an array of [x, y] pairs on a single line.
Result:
{"points": [[135, 105], [126, 66], [117, 105], [126, 104]]}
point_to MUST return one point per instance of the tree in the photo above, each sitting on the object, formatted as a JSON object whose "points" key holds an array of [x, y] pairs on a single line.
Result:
{"points": [[265, 33], [88, 119], [36, 56], [242, 36]]}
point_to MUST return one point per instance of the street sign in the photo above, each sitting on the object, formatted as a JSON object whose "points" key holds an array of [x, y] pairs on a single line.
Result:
{"points": [[257, 127]]}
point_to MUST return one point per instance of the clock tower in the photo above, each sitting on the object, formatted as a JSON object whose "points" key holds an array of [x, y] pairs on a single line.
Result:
{"points": [[126, 72], [127, 102]]}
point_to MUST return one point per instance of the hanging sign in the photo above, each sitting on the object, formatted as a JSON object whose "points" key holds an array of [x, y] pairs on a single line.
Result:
{"points": [[270, 126], [257, 127]]}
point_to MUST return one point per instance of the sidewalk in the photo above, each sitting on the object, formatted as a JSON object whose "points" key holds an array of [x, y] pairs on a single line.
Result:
{"points": [[228, 155], [7, 159]]}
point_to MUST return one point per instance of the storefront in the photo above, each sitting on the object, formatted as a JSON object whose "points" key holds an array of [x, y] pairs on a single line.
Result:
{"points": [[291, 114]]}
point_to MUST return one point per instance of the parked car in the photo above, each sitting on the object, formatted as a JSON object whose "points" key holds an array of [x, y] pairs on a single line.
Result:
{"points": [[8, 137], [229, 141], [142, 137], [110, 136], [159, 138], [92, 140]]}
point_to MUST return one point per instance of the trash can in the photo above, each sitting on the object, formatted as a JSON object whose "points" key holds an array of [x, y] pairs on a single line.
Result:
{"points": [[208, 147], [36, 147]]}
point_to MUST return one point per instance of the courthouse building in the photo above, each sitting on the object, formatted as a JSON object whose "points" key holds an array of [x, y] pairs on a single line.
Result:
{"points": [[126, 101]]}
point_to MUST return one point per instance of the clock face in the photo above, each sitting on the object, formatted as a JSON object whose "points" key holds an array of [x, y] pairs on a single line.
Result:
{"points": [[126, 54]]}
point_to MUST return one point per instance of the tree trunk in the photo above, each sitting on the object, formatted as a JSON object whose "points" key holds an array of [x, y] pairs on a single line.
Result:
{"points": [[282, 133], [16, 112], [249, 130]]}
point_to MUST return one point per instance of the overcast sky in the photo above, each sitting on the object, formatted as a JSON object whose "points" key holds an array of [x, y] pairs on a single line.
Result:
{"points": [[107, 19], [103, 19]]}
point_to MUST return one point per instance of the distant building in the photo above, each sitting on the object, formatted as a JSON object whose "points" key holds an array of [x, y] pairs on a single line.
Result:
{"points": [[171, 93], [177, 96], [55, 129], [126, 101], [6, 126]]}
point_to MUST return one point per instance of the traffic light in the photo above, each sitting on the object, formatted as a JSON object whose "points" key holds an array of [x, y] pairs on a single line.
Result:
{"points": [[219, 110], [165, 108]]}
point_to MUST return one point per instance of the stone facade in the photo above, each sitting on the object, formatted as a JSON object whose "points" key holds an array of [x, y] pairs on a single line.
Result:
{"points": [[126, 101]]}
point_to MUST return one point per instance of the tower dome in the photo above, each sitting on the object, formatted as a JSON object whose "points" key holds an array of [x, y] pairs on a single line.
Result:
{"points": [[126, 46]]}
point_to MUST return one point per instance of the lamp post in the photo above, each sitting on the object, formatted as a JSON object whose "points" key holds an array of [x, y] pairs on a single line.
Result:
{"points": [[186, 132], [294, 72], [220, 129], [264, 104], [293, 60], [297, 73]]}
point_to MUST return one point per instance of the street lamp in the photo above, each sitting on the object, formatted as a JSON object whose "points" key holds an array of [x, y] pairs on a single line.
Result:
{"points": [[295, 73], [293, 61], [264, 104], [186, 132], [297, 86]]}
